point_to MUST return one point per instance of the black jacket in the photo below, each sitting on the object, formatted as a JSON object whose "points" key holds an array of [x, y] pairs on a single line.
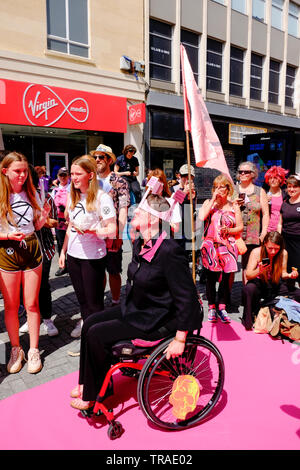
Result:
{"points": [[162, 289]]}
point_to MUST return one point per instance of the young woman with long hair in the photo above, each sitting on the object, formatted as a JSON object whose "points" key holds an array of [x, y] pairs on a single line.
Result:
{"points": [[91, 219], [267, 276], [20, 256]]}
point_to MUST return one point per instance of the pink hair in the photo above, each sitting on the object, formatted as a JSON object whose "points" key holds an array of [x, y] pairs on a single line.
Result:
{"points": [[276, 172]]}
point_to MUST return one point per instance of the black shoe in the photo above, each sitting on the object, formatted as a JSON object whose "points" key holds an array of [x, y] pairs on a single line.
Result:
{"points": [[61, 271]]}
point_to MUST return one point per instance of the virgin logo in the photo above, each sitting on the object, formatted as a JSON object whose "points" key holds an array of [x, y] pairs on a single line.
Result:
{"points": [[43, 107], [135, 113]]}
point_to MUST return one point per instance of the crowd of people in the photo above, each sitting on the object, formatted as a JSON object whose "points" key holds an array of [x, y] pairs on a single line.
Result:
{"points": [[86, 212]]}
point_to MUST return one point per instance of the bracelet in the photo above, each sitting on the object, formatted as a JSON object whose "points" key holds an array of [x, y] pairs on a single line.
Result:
{"points": [[179, 340]]}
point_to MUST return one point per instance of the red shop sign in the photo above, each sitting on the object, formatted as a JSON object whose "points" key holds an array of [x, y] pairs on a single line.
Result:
{"points": [[137, 113], [46, 106]]}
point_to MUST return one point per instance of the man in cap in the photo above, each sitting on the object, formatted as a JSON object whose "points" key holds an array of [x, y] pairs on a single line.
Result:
{"points": [[117, 188], [127, 166]]}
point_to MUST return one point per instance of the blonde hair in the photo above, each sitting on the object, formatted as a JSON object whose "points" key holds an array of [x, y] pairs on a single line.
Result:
{"points": [[88, 164], [6, 213], [223, 179]]}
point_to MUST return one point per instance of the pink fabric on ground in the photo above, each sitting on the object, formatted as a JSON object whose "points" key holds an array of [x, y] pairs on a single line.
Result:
{"points": [[259, 407]]}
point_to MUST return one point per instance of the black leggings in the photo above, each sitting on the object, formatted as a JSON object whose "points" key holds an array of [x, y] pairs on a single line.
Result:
{"points": [[255, 290], [212, 277], [87, 276], [99, 332]]}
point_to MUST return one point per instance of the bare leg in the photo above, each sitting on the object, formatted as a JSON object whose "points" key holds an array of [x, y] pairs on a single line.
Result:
{"points": [[31, 285], [10, 288]]}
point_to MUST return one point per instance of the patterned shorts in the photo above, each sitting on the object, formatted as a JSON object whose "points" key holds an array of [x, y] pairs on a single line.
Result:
{"points": [[20, 256]]}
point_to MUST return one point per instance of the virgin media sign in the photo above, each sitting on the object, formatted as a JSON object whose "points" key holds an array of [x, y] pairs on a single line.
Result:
{"points": [[137, 113], [46, 106]]}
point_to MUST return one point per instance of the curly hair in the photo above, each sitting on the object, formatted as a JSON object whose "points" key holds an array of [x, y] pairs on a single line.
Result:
{"points": [[276, 172]]}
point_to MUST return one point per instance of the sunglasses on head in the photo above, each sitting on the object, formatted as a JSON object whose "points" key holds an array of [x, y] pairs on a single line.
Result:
{"points": [[245, 172]]}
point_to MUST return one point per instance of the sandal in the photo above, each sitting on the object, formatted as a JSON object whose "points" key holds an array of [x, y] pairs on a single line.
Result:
{"points": [[77, 392], [81, 405]]}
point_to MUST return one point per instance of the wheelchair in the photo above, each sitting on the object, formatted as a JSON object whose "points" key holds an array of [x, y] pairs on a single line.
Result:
{"points": [[201, 362]]}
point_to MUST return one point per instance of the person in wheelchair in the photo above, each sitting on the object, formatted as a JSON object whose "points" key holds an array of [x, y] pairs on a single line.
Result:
{"points": [[161, 299], [267, 276]]}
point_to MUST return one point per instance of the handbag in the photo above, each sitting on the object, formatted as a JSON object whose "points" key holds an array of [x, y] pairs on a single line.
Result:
{"points": [[241, 245], [263, 322]]}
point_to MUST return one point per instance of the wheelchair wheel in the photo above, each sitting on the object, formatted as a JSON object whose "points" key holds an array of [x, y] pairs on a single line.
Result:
{"points": [[203, 361]]}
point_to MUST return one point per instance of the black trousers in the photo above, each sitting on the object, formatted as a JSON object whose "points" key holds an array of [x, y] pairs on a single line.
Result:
{"points": [[99, 332], [87, 276], [45, 300], [60, 238], [212, 277], [255, 290]]}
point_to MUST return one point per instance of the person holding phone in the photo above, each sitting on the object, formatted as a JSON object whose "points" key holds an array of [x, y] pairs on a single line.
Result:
{"points": [[267, 276]]}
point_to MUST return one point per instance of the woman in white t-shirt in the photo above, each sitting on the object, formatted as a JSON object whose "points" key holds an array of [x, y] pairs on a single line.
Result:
{"points": [[91, 219], [20, 256]]}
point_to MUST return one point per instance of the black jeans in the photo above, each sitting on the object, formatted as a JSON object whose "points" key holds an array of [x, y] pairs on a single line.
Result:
{"points": [[87, 276], [212, 277], [45, 300], [60, 238], [99, 332], [256, 289]]}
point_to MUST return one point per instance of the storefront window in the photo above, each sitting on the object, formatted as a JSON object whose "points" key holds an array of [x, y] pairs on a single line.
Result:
{"points": [[191, 43], [67, 27], [256, 77], [160, 50], [290, 86], [274, 76], [236, 71], [214, 65]]}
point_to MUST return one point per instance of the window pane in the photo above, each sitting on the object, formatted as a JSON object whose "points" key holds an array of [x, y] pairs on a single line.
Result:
{"points": [[256, 59], [213, 84], [189, 37], [79, 50], [236, 53], [78, 25], [160, 50], [160, 28], [255, 94], [274, 82], [293, 26], [275, 66], [236, 72], [215, 46], [276, 16], [56, 18], [239, 5], [258, 9], [58, 46], [273, 98], [236, 90], [192, 54], [160, 73], [214, 65]]}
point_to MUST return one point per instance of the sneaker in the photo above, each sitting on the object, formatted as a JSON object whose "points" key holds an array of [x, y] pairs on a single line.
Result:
{"points": [[212, 315], [50, 328], [24, 328], [34, 361], [224, 316], [77, 330], [17, 356]]}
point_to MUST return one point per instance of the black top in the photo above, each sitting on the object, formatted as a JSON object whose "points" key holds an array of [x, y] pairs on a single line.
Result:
{"points": [[290, 218], [127, 164], [162, 289]]}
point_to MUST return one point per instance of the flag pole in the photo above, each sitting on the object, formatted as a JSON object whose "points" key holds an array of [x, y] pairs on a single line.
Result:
{"points": [[191, 206]]}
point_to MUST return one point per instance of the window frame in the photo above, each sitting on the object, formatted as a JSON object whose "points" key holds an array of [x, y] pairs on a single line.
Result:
{"points": [[253, 6], [156, 64], [273, 71], [69, 42], [261, 67], [292, 15], [231, 82], [286, 97], [197, 48], [276, 8], [220, 54]]}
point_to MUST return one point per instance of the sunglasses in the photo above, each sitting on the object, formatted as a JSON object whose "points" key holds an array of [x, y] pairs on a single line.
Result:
{"points": [[99, 157], [245, 172]]}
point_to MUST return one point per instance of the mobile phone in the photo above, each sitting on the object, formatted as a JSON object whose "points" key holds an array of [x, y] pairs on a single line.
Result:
{"points": [[265, 261], [242, 196]]}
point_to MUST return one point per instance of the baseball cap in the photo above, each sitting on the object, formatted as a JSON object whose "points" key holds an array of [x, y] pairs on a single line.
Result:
{"points": [[105, 149], [63, 171], [184, 170]]}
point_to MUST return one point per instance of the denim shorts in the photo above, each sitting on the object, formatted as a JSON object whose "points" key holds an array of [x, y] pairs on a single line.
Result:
{"points": [[20, 256]]}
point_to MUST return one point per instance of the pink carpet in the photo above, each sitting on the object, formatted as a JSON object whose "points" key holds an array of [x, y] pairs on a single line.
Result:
{"points": [[259, 408]]}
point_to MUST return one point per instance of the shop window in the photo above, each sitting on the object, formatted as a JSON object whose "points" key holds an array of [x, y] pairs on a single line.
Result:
{"points": [[191, 43], [239, 5], [67, 27], [258, 9], [236, 71], [160, 50], [290, 86], [274, 77], [277, 13], [214, 59], [293, 19], [256, 76]]}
